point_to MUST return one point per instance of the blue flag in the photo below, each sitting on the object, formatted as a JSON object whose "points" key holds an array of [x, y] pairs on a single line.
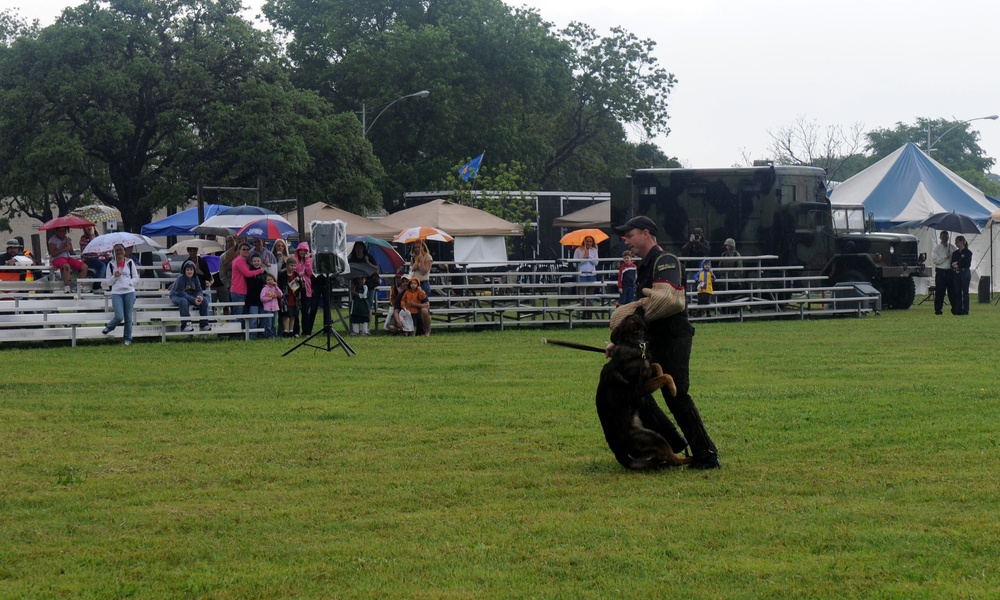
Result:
{"points": [[470, 169]]}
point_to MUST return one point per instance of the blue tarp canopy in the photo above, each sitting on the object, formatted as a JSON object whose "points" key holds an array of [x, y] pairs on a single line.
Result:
{"points": [[908, 186], [181, 223]]}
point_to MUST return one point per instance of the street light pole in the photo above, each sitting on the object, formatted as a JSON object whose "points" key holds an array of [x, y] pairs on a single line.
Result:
{"points": [[930, 146], [365, 127]]}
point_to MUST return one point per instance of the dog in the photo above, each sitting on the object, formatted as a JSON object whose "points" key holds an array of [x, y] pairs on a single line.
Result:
{"points": [[626, 378]]}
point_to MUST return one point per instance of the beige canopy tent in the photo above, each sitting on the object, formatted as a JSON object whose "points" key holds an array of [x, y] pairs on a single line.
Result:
{"points": [[596, 216], [456, 219], [355, 224]]}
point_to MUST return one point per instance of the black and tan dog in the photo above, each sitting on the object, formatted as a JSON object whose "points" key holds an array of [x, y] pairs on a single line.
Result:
{"points": [[627, 377]]}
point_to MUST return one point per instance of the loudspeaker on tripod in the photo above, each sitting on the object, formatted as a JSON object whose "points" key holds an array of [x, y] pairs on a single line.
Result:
{"points": [[329, 247]]}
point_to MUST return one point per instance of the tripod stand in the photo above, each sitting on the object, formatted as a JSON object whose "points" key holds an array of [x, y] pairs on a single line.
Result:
{"points": [[327, 328]]}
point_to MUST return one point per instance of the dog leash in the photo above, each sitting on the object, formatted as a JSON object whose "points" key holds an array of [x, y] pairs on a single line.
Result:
{"points": [[573, 345]]}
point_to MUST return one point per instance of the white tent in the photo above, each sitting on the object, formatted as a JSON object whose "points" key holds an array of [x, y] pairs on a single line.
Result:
{"points": [[908, 186]]}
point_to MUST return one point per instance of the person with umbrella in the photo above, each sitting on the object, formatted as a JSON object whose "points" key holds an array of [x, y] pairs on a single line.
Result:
{"points": [[360, 254], [94, 260], [421, 262], [961, 262], [587, 267], [944, 277], [121, 278], [60, 251]]}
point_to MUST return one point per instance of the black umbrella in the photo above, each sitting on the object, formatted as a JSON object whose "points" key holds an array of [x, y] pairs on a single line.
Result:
{"points": [[951, 221], [359, 269]]}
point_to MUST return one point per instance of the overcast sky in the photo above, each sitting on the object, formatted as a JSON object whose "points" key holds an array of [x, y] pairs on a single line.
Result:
{"points": [[744, 68]]}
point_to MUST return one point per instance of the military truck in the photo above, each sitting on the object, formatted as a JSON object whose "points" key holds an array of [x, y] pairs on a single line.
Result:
{"points": [[771, 210]]}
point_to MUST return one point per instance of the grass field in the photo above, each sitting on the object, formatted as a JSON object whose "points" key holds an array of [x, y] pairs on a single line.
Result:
{"points": [[860, 460]]}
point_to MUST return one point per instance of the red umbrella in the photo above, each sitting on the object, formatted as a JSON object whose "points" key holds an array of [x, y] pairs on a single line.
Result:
{"points": [[72, 221]]}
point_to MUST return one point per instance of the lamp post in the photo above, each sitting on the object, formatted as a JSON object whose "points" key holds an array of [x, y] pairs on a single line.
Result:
{"points": [[930, 146], [365, 127]]}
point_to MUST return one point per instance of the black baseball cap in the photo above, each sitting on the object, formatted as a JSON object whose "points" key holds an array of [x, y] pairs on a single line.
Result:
{"points": [[638, 223]]}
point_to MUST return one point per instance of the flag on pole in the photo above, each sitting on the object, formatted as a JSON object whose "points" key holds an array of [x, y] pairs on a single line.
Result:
{"points": [[470, 169]]}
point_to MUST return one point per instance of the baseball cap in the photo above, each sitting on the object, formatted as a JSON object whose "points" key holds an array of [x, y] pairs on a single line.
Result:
{"points": [[639, 222]]}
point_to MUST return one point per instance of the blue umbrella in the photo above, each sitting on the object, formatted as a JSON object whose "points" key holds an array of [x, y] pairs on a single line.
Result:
{"points": [[247, 209]]}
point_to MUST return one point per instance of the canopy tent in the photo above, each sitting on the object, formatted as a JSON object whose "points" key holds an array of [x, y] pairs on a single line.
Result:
{"points": [[909, 186], [182, 223], [354, 224], [596, 216], [456, 219], [906, 187]]}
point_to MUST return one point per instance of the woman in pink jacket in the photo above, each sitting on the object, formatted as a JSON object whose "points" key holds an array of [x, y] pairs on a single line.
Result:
{"points": [[310, 301], [241, 270]]}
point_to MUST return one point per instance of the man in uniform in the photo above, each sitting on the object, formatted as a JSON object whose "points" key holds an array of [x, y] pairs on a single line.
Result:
{"points": [[661, 275]]}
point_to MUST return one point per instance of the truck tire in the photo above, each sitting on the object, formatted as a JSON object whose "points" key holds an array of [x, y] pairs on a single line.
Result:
{"points": [[851, 275], [902, 292]]}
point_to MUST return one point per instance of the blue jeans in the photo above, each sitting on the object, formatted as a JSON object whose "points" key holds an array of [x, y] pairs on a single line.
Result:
{"points": [[122, 304], [240, 298], [254, 323], [99, 267], [184, 306], [268, 326]]}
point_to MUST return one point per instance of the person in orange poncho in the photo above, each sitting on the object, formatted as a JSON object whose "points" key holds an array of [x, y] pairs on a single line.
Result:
{"points": [[416, 302]]}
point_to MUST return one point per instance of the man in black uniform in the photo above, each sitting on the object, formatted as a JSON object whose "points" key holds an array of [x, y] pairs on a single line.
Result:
{"points": [[670, 345]]}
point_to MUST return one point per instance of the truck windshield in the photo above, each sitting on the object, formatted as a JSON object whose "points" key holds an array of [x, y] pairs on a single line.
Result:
{"points": [[849, 218]]}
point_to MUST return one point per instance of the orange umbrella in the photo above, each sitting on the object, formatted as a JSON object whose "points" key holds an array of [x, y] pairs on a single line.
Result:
{"points": [[575, 238], [413, 234]]}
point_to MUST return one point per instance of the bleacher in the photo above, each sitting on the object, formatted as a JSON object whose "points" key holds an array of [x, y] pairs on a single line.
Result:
{"points": [[41, 310], [545, 294], [540, 294]]}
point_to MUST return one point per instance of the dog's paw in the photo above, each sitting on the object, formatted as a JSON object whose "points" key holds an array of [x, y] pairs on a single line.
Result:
{"points": [[661, 381]]}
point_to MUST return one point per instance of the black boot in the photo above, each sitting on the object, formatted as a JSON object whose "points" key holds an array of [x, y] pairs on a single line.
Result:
{"points": [[706, 456]]}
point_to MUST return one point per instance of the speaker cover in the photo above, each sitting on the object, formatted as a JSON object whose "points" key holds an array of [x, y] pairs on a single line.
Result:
{"points": [[329, 247]]}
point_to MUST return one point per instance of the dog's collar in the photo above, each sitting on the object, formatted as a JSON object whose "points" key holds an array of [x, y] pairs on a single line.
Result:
{"points": [[642, 349]]}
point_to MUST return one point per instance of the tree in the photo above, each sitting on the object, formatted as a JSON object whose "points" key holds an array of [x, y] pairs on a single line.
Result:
{"points": [[617, 82], [834, 148], [953, 144], [134, 102], [500, 79]]}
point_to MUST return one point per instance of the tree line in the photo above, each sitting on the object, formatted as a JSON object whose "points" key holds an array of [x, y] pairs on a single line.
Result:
{"points": [[133, 103], [846, 151]]}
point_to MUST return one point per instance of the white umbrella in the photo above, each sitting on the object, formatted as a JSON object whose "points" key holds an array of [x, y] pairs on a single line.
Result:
{"points": [[203, 246], [107, 242], [222, 224], [413, 234]]}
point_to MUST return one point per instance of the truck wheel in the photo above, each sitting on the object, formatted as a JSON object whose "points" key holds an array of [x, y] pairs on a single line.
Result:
{"points": [[851, 275], [904, 290]]}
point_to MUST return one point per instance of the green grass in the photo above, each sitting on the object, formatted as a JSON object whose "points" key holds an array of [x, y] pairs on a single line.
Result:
{"points": [[860, 461]]}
